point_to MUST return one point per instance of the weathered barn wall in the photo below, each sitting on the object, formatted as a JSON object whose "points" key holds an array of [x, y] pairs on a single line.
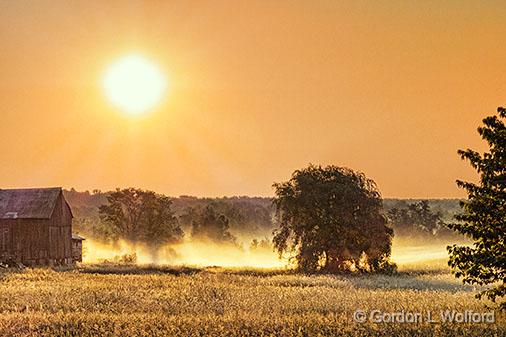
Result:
{"points": [[60, 233], [33, 241]]}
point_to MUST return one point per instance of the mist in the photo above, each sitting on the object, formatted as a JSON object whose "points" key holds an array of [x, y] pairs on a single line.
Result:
{"points": [[190, 252], [206, 253]]}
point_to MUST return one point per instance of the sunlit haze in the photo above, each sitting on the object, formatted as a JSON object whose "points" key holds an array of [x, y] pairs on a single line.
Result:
{"points": [[230, 97]]}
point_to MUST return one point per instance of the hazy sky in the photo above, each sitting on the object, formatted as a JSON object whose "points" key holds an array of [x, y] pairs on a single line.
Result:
{"points": [[256, 90]]}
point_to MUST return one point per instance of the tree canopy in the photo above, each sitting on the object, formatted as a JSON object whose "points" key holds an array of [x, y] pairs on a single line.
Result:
{"points": [[141, 216], [211, 225], [484, 214], [331, 218], [416, 218]]}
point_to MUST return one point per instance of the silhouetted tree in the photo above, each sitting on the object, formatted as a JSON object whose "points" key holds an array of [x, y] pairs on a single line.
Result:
{"points": [[264, 244], [484, 214], [141, 216], [250, 216], [330, 217], [211, 225], [416, 217]]}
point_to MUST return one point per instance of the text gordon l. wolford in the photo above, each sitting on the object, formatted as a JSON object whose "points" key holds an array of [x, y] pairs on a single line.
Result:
{"points": [[444, 316]]}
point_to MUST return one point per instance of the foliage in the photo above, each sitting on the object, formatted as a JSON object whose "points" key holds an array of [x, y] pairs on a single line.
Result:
{"points": [[416, 219], [484, 214], [249, 217], [330, 217], [209, 224], [264, 243], [141, 216], [447, 208]]}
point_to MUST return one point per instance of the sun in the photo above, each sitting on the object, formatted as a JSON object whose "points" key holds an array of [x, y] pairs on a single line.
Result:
{"points": [[134, 84]]}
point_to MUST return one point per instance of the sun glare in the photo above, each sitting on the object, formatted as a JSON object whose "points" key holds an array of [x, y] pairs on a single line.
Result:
{"points": [[134, 84]]}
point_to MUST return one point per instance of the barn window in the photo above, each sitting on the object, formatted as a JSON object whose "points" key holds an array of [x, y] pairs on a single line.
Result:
{"points": [[4, 239]]}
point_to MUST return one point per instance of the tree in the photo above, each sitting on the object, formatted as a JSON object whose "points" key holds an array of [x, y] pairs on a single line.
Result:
{"points": [[484, 214], [415, 218], [262, 244], [141, 216], [211, 225], [330, 218], [251, 216]]}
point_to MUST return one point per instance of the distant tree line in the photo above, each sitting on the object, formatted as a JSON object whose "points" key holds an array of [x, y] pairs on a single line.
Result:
{"points": [[153, 219], [412, 220], [208, 224], [327, 218], [252, 217]]}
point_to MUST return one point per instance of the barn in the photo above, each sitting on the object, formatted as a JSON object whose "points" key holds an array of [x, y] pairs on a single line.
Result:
{"points": [[35, 227]]}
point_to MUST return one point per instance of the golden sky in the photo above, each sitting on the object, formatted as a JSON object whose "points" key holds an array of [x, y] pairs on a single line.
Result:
{"points": [[256, 90]]}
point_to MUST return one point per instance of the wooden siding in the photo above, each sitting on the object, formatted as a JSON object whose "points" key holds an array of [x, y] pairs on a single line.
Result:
{"points": [[5, 240], [39, 241], [77, 250]]}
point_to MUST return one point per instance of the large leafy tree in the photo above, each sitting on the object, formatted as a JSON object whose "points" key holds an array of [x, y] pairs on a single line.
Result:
{"points": [[331, 217], [484, 214], [141, 216]]}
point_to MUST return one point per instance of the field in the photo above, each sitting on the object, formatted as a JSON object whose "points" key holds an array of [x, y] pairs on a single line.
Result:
{"points": [[107, 300]]}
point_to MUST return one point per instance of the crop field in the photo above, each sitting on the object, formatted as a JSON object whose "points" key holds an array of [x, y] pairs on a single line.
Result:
{"points": [[111, 300]]}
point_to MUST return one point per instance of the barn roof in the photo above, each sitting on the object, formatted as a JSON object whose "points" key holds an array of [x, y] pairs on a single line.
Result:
{"points": [[29, 203]]}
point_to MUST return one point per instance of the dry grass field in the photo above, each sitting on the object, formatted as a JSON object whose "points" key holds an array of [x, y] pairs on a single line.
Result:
{"points": [[113, 300]]}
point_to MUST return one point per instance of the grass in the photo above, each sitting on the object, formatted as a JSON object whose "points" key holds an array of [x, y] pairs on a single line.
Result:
{"points": [[112, 300]]}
